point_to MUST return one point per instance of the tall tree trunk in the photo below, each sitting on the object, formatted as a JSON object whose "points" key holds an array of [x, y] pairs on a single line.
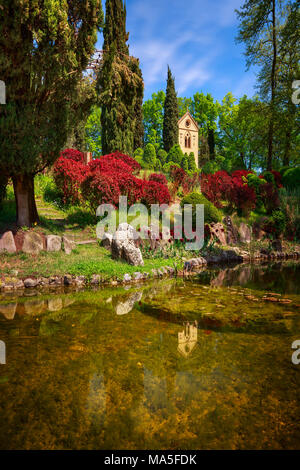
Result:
{"points": [[273, 86], [26, 209]]}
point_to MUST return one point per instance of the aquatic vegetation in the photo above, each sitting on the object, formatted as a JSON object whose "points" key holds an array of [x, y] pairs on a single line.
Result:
{"points": [[173, 364]]}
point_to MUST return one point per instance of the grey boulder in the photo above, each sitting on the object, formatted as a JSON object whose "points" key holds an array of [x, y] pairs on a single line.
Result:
{"points": [[124, 245], [7, 243]]}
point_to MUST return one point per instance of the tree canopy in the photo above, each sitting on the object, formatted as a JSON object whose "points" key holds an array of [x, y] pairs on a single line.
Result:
{"points": [[44, 48]]}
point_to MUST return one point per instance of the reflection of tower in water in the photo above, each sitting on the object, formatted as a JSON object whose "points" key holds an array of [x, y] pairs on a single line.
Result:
{"points": [[2, 352], [187, 339]]}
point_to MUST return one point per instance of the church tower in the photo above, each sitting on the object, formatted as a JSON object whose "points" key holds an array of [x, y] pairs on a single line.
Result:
{"points": [[188, 135]]}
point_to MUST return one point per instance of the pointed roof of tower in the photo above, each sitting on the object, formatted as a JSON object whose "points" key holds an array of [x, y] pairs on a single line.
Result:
{"points": [[188, 114]]}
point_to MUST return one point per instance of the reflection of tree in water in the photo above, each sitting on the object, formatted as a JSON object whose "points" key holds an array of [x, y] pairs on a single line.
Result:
{"points": [[281, 277], [85, 377]]}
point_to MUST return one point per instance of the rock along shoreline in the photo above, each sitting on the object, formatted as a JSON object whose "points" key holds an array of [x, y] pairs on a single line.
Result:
{"points": [[191, 267]]}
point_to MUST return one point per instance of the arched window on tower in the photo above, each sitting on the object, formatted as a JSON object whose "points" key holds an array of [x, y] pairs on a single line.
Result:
{"points": [[187, 141]]}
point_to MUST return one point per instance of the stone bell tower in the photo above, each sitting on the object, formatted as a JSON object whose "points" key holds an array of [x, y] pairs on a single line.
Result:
{"points": [[188, 135]]}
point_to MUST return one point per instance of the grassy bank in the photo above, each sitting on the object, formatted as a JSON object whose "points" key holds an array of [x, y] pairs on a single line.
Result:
{"points": [[85, 260]]}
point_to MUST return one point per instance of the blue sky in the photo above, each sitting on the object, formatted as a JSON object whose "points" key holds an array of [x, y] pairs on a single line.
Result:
{"points": [[196, 38]]}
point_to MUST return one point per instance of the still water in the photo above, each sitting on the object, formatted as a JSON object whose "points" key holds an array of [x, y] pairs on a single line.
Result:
{"points": [[187, 364]]}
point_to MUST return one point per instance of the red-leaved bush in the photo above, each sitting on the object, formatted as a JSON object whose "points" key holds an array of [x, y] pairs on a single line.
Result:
{"points": [[100, 188], [278, 178], [234, 188], [129, 161], [190, 183], [73, 154], [155, 193], [105, 179], [270, 197], [68, 176], [242, 197], [177, 175], [159, 178], [217, 187]]}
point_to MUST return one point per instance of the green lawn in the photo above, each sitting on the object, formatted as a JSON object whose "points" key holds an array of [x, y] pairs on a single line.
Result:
{"points": [[85, 260]]}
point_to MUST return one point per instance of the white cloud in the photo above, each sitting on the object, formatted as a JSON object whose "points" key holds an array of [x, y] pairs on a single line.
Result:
{"points": [[190, 37]]}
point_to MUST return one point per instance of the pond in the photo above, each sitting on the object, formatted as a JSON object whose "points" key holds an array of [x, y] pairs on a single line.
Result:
{"points": [[202, 363]]}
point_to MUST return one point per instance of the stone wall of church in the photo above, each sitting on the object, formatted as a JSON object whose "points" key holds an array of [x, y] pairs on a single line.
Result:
{"points": [[188, 141], [188, 136]]}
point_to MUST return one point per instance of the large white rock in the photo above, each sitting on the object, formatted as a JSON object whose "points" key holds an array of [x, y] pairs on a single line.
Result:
{"points": [[33, 243], [69, 245], [53, 243], [106, 240], [7, 243], [245, 233], [124, 247]]}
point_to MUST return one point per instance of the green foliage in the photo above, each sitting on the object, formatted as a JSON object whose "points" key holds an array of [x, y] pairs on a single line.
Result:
{"points": [[3, 184], [162, 156], [149, 157], [278, 221], [242, 133], [269, 177], [170, 124], [153, 111], [211, 213], [291, 178], [34, 124], [138, 153], [158, 165], [42, 69], [270, 33], [185, 163], [255, 182], [93, 132], [215, 165], [175, 155], [205, 112], [120, 85], [283, 169], [184, 105], [191, 162], [167, 167]]}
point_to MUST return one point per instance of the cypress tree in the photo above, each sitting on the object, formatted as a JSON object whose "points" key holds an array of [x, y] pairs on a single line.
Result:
{"points": [[211, 143], [170, 128], [44, 49], [120, 86], [149, 157]]}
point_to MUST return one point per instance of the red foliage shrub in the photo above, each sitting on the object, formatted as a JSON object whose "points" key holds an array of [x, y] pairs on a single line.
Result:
{"points": [[100, 188], [159, 178], [177, 175], [72, 154], [190, 183], [242, 196], [278, 178], [105, 179], [270, 197], [68, 176], [129, 161], [109, 164], [155, 193], [217, 187]]}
